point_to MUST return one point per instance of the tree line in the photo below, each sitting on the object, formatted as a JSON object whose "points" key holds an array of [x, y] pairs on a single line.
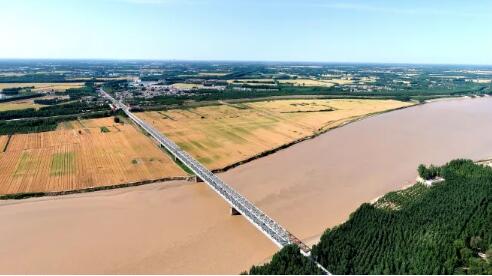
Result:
{"points": [[53, 101], [55, 110], [16, 90], [37, 78], [44, 124]]}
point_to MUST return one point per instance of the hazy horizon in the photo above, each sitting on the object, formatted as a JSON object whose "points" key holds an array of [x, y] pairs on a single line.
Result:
{"points": [[243, 61], [331, 31]]}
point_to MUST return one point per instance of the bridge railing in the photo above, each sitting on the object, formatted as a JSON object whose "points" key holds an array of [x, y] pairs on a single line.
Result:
{"points": [[241, 204]]}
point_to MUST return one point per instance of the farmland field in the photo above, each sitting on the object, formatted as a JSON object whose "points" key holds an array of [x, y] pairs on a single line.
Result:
{"points": [[219, 74], [222, 135], [295, 82], [44, 86], [80, 155], [308, 82], [187, 86], [254, 82], [21, 104]]}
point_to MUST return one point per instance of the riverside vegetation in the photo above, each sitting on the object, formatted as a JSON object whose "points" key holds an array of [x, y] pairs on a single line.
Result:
{"points": [[442, 229]]}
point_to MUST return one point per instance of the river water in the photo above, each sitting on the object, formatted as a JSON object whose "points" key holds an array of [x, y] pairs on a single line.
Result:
{"points": [[316, 184], [185, 228]]}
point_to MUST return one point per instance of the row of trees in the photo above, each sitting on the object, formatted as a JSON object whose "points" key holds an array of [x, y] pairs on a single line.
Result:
{"points": [[54, 101], [16, 90], [47, 118], [444, 230], [77, 93], [32, 78], [78, 106], [115, 85], [45, 124], [21, 97], [55, 110]]}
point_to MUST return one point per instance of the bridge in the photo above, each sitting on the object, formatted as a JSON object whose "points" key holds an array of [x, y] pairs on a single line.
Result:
{"points": [[239, 204]]}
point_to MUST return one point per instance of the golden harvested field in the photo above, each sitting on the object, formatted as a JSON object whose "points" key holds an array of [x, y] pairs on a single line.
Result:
{"points": [[11, 74], [81, 157], [368, 79], [222, 135], [187, 86], [22, 104], [253, 82], [250, 80], [44, 86], [297, 82], [219, 74], [308, 82], [339, 81]]}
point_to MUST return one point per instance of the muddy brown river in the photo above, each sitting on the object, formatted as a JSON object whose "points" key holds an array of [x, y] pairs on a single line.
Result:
{"points": [[183, 228]]}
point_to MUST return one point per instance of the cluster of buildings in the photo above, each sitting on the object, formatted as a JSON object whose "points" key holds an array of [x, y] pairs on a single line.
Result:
{"points": [[150, 89]]}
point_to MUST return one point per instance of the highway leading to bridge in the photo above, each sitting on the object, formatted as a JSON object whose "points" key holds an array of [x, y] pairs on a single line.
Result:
{"points": [[240, 204]]}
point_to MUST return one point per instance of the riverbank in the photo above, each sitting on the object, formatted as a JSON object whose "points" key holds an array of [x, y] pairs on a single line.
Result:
{"points": [[463, 197], [321, 181], [269, 126], [184, 227], [309, 137]]}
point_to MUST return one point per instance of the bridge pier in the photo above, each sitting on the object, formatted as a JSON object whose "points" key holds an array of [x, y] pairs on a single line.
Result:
{"points": [[197, 179], [234, 212]]}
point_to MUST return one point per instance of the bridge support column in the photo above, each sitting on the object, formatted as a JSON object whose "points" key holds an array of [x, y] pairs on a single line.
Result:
{"points": [[234, 212], [196, 178]]}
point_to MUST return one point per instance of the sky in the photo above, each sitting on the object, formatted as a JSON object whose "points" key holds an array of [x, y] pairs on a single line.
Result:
{"points": [[392, 31]]}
